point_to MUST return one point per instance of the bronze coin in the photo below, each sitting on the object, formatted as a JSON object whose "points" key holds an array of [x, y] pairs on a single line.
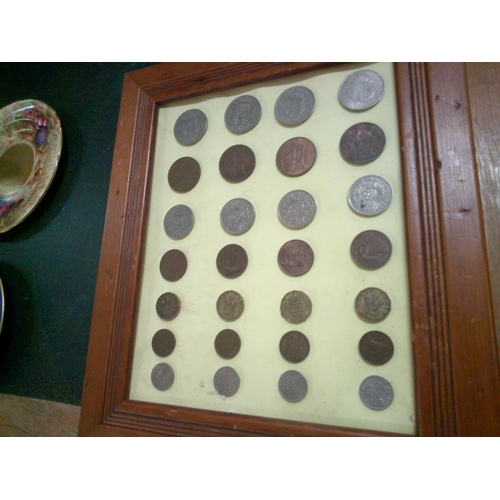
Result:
{"points": [[237, 163], [226, 381], [295, 258], [371, 249], [173, 265], [294, 346], [230, 305], [163, 343], [373, 305], [227, 344], [362, 143], [296, 307], [376, 348], [168, 306], [232, 261], [296, 157], [184, 174]]}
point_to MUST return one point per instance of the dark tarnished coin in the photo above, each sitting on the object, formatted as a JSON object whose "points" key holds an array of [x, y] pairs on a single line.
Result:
{"points": [[178, 222], [227, 344], [232, 261], [190, 127], [237, 216], [373, 305], [296, 209], [295, 258], [362, 143], [168, 306], [361, 90], [292, 386], [184, 174], [230, 305], [371, 249], [296, 307], [294, 106], [243, 114], [226, 381], [162, 376], [370, 195], [173, 265], [163, 343], [376, 393], [237, 163], [294, 346], [376, 348], [296, 157]]}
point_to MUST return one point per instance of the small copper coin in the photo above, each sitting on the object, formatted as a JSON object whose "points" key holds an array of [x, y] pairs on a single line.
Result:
{"points": [[227, 344], [163, 343], [230, 305], [295, 258], [362, 143], [296, 157], [226, 381], [296, 307], [168, 306], [371, 249], [162, 376], [237, 163], [173, 265], [184, 174], [292, 386], [294, 346], [232, 261], [376, 348], [373, 305]]}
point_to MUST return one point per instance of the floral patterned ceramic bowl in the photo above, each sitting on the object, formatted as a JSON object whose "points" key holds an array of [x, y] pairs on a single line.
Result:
{"points": [[30, 148]]}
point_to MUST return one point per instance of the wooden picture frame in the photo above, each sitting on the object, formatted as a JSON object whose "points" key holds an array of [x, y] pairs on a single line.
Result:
{"points": [[457, 382]]}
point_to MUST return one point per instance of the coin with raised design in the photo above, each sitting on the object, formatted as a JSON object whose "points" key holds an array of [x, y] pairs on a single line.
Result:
{"points": [[178, 222], [295, 258], [294, 106], [227, 344], [243, 114], [232, 260], [237, 163], [361, 90], [296, 307], [376, 393], [292, 386], [173, 265], [168, 306], [162, 376], [373, 305], [237, 216], [294, 346], [190, 127], [371, 249], [163, 343], [296, 156], [296, 209], [370, 195], [376, 348], [230, 305], [362, 143], [226, 381], [184, 174]]}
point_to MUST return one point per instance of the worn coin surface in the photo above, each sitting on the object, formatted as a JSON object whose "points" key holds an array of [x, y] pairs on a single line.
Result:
{"points": [[243, 114], [294, 346], [173, 265], [376, 393], [230, 305], [361, 90], [371, 249], [292, 386], [295, 258], [237, 216], [237, 163], [184, 174], [232, 260], [227, 344], [296, 307], [296, 156], [162, 376], [190, 127], [163, 343], [376, 348], [362, 143], [178, 222], [168, 306], [373, 305], [296, 209], [294, 106], [226, 381], [370, 195]]}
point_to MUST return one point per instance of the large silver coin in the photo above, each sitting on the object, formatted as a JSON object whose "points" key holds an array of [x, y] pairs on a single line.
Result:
{"points": [[294, 106], [292, 386], [243, 114], [296, 209], [178, 222], [237, 216], [162, 376], [370, 195], [226, 381], [190, 127], [361, 90], [376, 393]]}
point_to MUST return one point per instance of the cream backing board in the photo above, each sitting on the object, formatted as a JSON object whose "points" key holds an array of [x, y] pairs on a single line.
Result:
{"points": [[334, 368]]}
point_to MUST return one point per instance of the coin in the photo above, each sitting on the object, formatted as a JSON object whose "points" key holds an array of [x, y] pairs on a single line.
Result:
{"points": [[370, 195], [163, 343], [371, 249], [237, 216], [295, 258], [232, 260], [294, 346], [230, 305], [243, 114], [376, 348], [190, 127], [178, 222], [227, 344], [184, 174], [376, 393], [296, 307], [294, 106], [162, 376], [362, 143], [168, 306], [296, 156], [237, 163], [296, 209], [173, 265], [292, 386], [373, 305], [361, 90], [226, 381]]}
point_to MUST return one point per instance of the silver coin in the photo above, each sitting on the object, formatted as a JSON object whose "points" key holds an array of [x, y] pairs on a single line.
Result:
{"points": [[243, 114], [296, 209], [361, 90], [162, 376], [178, 222], [294, 106], [376, 393], [237, 216], [226, 381], [190, 127], [370, 195], [292, 386]]}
